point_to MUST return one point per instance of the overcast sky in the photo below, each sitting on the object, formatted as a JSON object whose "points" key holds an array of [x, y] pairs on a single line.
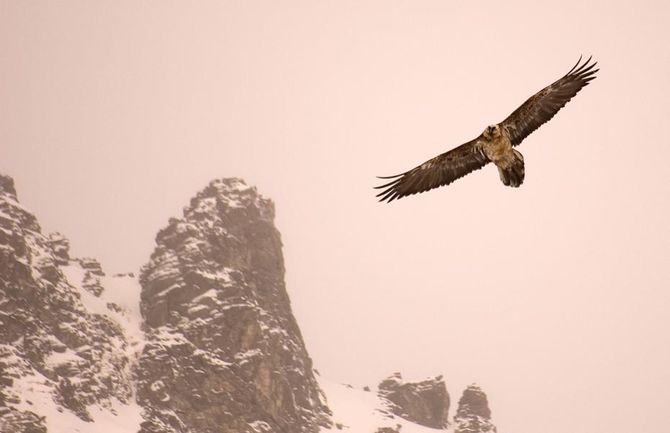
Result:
{"points": [[554, 297]]}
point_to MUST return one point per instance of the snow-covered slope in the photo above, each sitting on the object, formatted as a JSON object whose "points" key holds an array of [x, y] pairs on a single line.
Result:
{"points": [[119, 302], [70, 334], [204, 341], [359, 411], [368, 410]]}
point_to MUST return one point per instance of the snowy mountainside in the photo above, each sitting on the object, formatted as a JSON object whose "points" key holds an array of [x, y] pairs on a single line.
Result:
{"points": [[204, 340], [379, 410], [356, 410], [65, 349]]}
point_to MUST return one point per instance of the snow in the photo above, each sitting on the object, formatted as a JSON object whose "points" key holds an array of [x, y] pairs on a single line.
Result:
{"points": [[260, 426], [247, 354], [357, 411], [166, 267], [36, 396], [211, 293], [124, 291], [222, 275], [13, 203], [75, 275], [206, 205], [354, 410], [211, 360], [68, 357], [197, 309], [166, 291]]}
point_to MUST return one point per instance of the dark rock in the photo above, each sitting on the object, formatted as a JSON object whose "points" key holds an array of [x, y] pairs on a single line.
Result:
{"points": [[21, 422], [473, 415], [7, 186], [44, 323], [224, 353], [91, 280], [60, 247], [92, 266], [395, 429], [425, 402]]}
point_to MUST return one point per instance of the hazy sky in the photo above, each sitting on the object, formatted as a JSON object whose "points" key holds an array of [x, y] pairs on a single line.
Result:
{"points": [[555, 297]]}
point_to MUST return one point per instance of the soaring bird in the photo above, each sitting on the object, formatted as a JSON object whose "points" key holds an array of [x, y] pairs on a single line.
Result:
{"points": [[496, 144]]}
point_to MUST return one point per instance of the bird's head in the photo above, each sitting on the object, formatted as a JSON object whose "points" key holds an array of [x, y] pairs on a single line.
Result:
{"points": [[491, 131]]}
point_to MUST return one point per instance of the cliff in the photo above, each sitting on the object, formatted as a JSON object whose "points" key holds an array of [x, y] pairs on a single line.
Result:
{"points": [[473, 414], [425, 403], [62, 350], [204, 340], [224, 352]]}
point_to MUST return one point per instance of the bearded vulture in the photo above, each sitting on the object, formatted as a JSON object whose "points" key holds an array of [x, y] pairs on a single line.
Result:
{"points": [[495, 144]]}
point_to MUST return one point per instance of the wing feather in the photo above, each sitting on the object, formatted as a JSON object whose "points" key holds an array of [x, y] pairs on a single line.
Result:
{"points": [[542, 106], [439, 171]]}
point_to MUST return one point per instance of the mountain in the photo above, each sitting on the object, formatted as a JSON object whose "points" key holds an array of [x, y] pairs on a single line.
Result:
{"points": [[425, 403], [202, 340], [473, 415], [224, 352], [65, 358], [397, 405]]}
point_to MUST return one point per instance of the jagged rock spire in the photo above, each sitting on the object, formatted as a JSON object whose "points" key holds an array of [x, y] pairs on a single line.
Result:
{"points": [[473, 414], [7, 186], [425, 402], [224, 351]]}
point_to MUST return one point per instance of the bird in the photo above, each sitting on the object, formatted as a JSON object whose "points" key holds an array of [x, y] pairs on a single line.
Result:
{"points": [[495, 144]]}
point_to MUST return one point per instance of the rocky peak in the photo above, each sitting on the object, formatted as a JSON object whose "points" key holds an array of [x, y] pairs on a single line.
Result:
{"points": [[224, 352], [56, 354], [473, 414], [60, 246], [7, 186], [215, 349], [91, 266], [425, 402], [13, 216]]}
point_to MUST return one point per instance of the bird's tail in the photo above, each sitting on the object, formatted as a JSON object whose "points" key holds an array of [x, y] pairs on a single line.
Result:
{"points": [[513, 173]]}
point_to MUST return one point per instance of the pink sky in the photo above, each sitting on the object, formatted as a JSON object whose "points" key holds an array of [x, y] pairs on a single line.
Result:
{"points": [[555, 297]]}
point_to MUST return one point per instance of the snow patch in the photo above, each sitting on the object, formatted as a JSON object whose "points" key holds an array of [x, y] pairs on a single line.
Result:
{"points": [[359, 411]]}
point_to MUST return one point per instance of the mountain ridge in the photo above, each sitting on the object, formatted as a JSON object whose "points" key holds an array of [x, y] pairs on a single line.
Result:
{"points": [[203, 340]]}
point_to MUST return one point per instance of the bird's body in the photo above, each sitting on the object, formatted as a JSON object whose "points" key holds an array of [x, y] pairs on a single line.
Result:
{"points": [[497, 147], [496, 144]]}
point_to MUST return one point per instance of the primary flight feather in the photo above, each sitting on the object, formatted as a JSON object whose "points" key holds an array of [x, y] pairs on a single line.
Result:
{"points": [[495, 144]]}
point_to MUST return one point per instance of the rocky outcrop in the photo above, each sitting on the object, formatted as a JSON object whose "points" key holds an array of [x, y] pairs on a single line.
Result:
{"points": [[216, 348], [224, 352], [425, 402], [388, 429], [473, 415], [53, 349]]}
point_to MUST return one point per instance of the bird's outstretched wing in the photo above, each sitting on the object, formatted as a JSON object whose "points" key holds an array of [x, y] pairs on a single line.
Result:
{"points": [[441, 170], [543, 105]]}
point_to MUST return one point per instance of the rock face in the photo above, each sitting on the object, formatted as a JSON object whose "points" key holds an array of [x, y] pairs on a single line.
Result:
{"points": [[55, 352], [224, 352], [425, 402], [204, 342], [473, 415]]}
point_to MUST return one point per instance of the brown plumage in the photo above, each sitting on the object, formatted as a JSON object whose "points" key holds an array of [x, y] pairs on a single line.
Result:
{"points": [[495, 144]]}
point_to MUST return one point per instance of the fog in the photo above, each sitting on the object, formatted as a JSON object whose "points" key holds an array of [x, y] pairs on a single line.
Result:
{"points": [[553, 297]]}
